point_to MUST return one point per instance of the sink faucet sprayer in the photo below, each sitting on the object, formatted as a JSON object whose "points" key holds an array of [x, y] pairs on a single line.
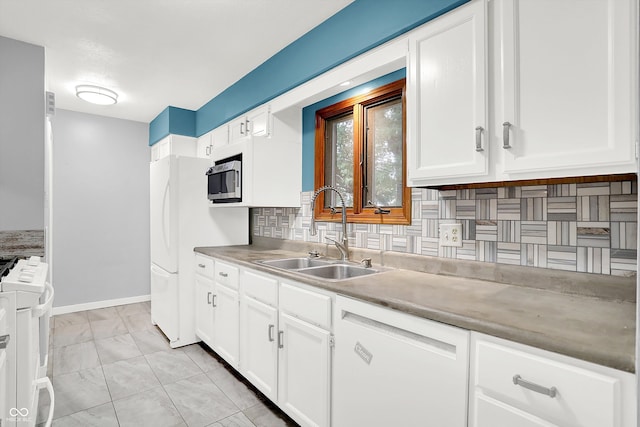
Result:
{"points": [[343, 246]]}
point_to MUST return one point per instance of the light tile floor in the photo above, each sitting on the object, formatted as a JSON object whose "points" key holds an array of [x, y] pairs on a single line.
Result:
{"points": [[112, 367]]}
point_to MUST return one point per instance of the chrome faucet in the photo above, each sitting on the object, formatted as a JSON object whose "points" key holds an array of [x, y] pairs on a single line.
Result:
{"points": [[343, 246]]}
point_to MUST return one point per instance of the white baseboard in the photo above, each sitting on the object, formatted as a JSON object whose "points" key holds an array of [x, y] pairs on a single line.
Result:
{"points": [[98, 304]]}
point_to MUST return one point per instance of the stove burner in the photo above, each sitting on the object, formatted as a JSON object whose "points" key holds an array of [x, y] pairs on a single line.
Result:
{"points": [[6, 264]]}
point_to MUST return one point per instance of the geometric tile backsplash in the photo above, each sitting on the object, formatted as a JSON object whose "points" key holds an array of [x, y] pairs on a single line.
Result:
{"points": [[589, 227]]}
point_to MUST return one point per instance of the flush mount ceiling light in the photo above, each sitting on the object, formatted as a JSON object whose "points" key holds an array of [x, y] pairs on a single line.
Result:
{"points": [[96, 94]]}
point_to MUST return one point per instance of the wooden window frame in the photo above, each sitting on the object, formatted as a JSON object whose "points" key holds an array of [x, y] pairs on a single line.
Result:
{"points": [[356, 105]]}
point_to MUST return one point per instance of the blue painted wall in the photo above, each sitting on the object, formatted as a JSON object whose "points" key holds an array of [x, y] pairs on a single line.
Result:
{"points": [[159, 127], [172, 120], [361, 26], [309, 122]]}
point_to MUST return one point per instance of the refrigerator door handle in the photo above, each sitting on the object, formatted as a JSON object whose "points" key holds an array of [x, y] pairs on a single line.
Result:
{"points": [[166, 215]]}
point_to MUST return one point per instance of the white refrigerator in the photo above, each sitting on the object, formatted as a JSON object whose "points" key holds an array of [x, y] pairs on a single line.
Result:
{"points": [[181, 218]]}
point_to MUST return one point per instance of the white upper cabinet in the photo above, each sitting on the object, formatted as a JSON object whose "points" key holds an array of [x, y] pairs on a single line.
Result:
{"points": [[203, 146], [566, 95], [219, 137], [238, 130], [271, 151], [173, 144], [258, 121], [447, 98], [558, 80], [254, 123]]}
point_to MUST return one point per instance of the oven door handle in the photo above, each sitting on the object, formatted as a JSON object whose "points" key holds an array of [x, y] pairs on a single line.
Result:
{"points": [[41, 309], [45, 382]]}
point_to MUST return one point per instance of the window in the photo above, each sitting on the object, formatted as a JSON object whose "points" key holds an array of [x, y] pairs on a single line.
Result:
{"points": [[360, 150]]}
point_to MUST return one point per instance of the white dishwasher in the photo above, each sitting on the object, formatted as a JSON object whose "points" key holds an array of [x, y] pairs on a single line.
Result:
{"points": [[391, 368]]}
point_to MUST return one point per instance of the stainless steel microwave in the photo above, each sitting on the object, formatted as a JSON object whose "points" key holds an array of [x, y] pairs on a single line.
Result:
{"points": [[225, 181]]}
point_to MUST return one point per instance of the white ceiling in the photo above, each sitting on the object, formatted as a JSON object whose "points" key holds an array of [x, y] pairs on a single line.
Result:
{"points": [[156, 53]]}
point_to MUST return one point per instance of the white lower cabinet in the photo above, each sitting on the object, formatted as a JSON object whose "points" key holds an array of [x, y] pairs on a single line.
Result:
{"points": [[217, 307], [284, 353], [304, 365], [226, 325], [516, 385], [259, 331], [493, 413], [384, 367], [203, 309]]}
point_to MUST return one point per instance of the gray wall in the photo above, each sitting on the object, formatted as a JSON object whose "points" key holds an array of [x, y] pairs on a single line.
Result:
{"points": [[100, 208], [21, 135]]}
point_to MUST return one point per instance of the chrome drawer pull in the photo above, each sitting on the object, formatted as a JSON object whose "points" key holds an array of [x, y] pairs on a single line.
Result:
{"points": [[209, 298], [505, 135], [201, 265], [479, 130], [213, 300], [271, 328], [4, 340], [223, 274], [551, 392]]}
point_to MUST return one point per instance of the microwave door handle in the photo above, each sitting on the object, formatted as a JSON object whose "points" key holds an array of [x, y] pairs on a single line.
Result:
{"points": [[237, 179]]}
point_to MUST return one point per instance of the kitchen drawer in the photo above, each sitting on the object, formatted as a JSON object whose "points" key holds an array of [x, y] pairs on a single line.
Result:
{"points": [[204, 265], [226, 275], [582, 397], [493, 413], [260, 287], [306, 305]]}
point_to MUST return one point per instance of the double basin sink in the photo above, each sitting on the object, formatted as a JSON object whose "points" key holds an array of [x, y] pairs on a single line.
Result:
{"points": [[322, 268]]}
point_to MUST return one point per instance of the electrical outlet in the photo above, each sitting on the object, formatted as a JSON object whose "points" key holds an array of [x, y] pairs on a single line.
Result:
{"points": [[451, 235]]}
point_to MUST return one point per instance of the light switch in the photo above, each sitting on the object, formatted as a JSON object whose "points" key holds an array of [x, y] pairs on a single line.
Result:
{"points": [[451, 235]]}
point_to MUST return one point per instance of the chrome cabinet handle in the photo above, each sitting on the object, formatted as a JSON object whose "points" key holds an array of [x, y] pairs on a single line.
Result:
{"points": [[208, 297], [223, 274], [271, 328], [246, 126], [280, 339], [518, 380], [207, 150], [213, 300], [505, 135], [241, 128], [201, 265], [4, 341], [479, 130]]}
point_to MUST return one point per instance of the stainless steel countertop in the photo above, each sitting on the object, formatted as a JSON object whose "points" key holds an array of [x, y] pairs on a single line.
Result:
{"points": [[587, 327]]}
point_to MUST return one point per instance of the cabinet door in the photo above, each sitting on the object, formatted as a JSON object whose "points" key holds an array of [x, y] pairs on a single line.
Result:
{"points": [[203, 146], [226, 320], [447, 99], [259, 349], [492, 413], [204, 312], [220, 136], [303, 379], [164, 148], [568, 89], [258, 122], [238, 130]]}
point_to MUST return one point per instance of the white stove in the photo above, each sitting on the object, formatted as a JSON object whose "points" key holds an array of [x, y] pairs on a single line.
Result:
{"points": [[25, 307]]}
